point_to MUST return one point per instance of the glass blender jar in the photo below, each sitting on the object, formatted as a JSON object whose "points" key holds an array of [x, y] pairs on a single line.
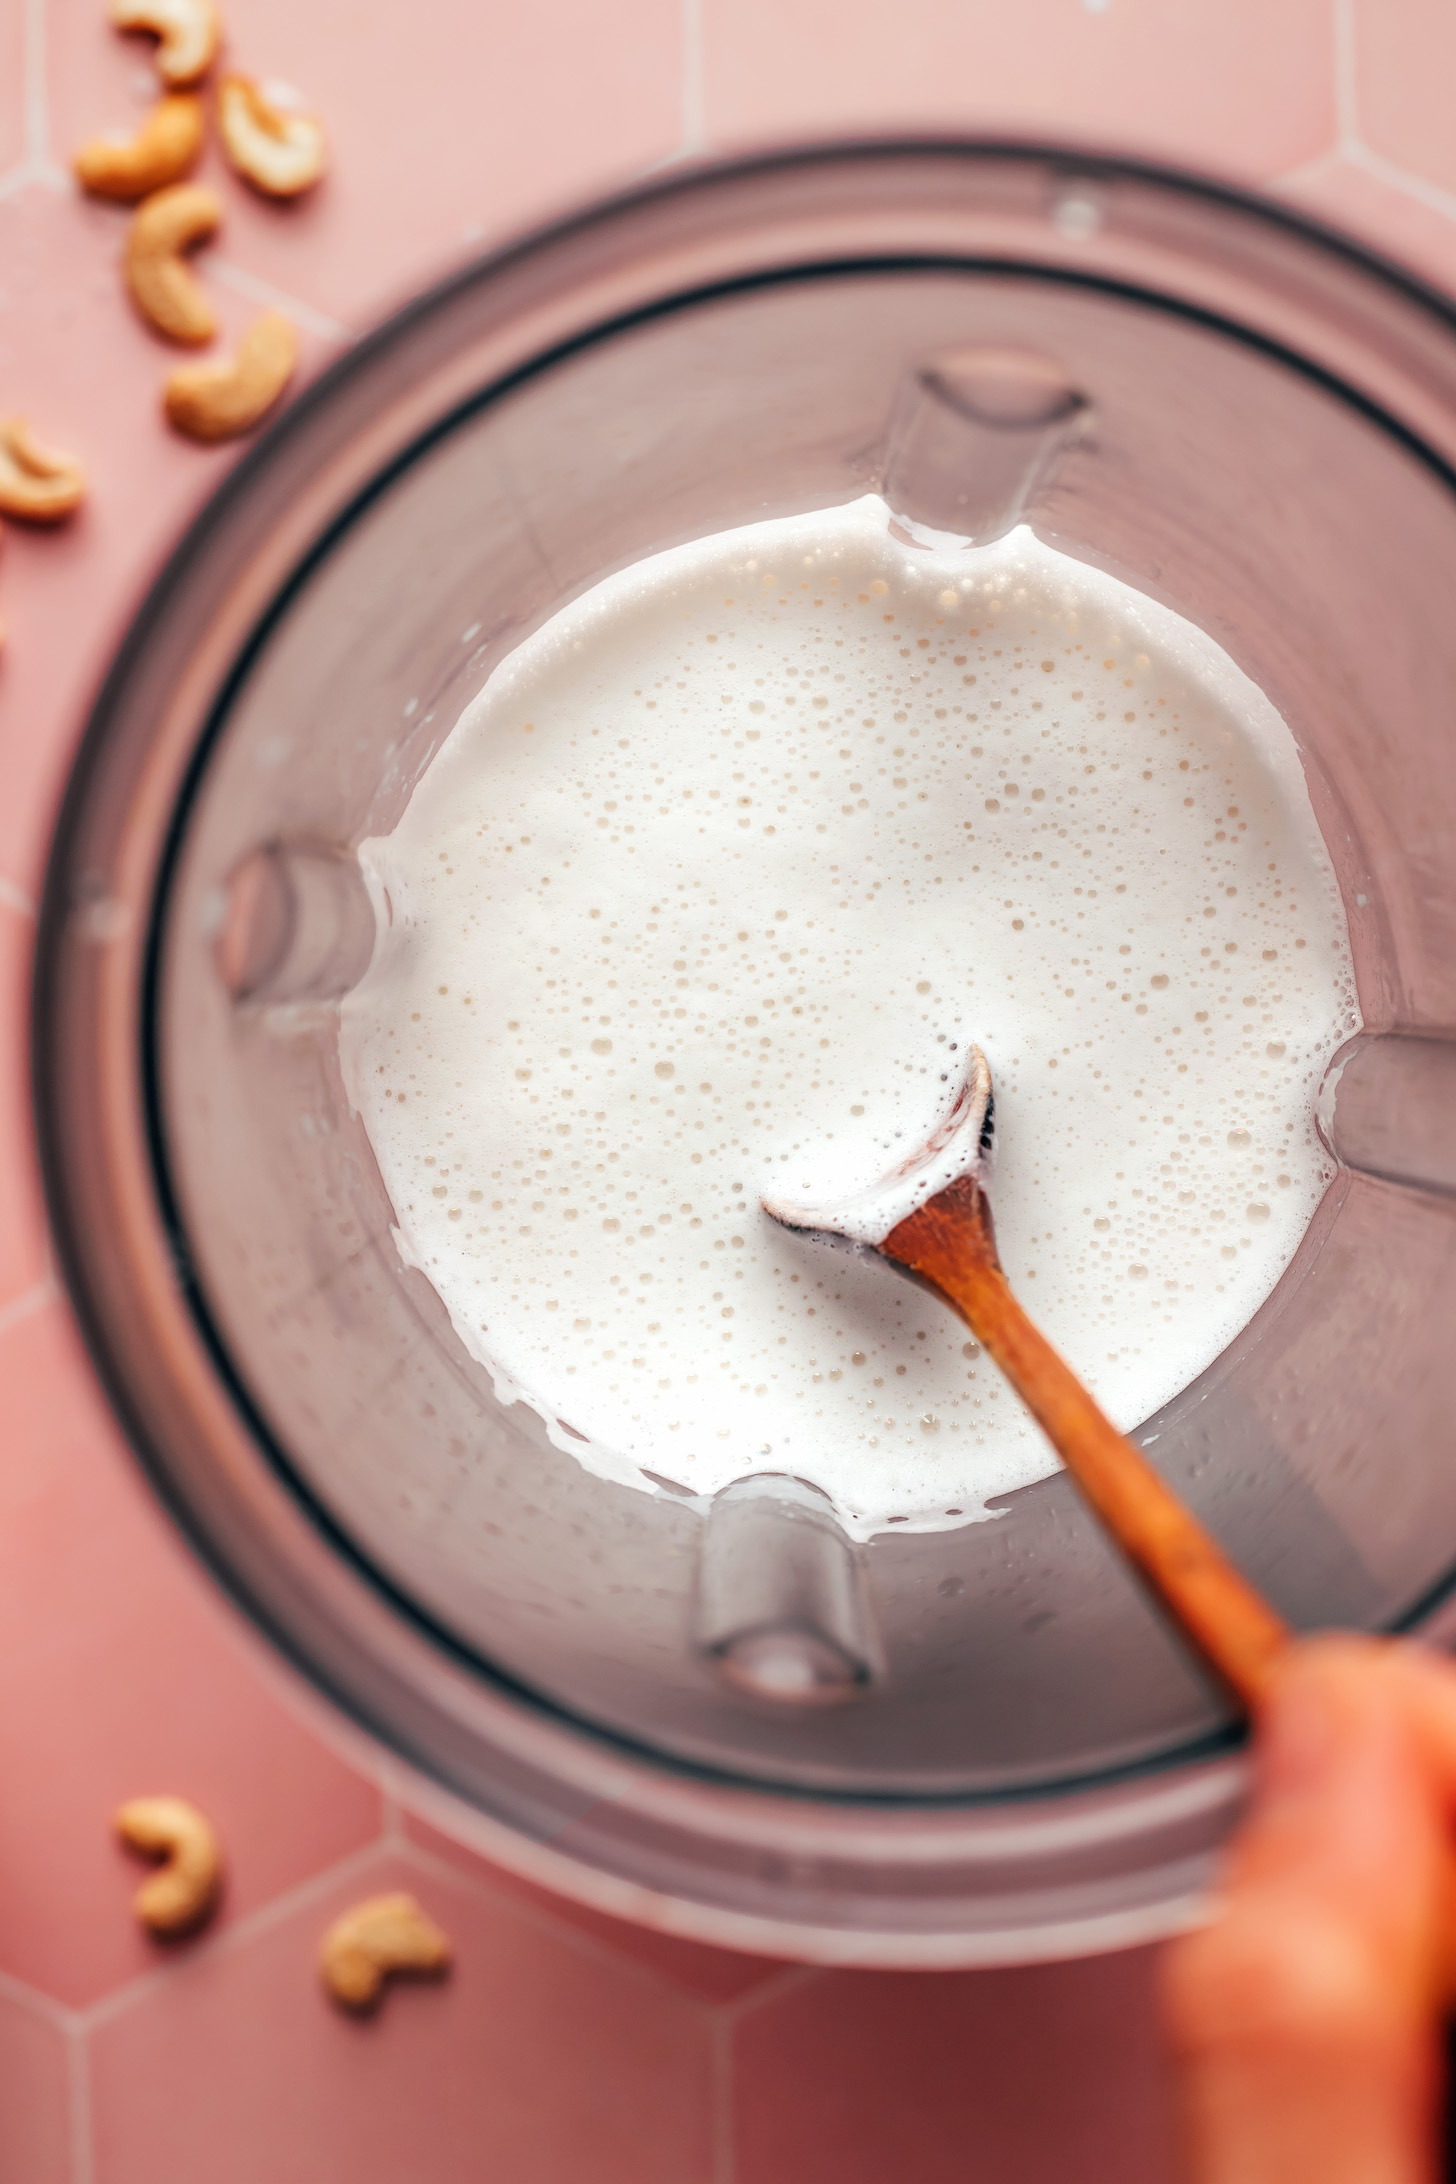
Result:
{"points": [[968, 1746]]}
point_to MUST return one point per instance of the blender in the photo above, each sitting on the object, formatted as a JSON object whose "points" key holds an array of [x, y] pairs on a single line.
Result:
{"points": [[967, 1746]]}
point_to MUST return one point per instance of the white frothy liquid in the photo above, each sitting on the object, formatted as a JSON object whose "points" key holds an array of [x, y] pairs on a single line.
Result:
{"points": [[704, 896]]}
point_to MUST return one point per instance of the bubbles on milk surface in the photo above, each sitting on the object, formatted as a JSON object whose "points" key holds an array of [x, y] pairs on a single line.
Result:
{"points": [[707, 893]]}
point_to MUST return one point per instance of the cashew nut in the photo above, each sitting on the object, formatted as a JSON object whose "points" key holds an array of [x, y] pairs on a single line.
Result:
{"points": [[280, 152], [182, 1894], [383, 1935], [188, 34], [164, 149], [217, 401], [164, 289], [36, 484]]}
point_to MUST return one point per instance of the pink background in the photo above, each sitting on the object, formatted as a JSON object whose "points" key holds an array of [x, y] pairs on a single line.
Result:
{"points": [[565, 2047]]}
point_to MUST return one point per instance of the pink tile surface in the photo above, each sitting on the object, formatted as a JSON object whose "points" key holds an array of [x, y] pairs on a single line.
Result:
{"points": [[80, 365], [1230, 84], [440, 133], [1402, 110], [713, 1975], [12, 88], [566, 2048], [119, 1677], [1380, 213], [956, 2078], [35, 2097], [22, 1215], [537, 2059]]}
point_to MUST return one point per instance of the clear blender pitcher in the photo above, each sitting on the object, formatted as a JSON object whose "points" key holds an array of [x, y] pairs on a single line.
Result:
{"points": [[967, 1746]]}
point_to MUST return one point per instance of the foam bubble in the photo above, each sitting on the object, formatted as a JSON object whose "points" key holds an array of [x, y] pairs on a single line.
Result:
{"points": [[790, 829]]}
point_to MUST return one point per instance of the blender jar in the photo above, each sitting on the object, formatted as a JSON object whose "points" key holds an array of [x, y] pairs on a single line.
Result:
{"points": [[962, 1746]]}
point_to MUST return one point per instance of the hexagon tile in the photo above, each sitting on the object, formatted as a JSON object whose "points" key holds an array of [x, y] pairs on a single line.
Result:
{"points": [[1404, 110], [39, 2072], [541, 2056], [442, 130], [955, 2078], [119, 1676], [1227, 84], [564, 2048]]}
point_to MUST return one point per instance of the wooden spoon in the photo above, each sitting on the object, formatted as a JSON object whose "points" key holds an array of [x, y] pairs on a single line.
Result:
{"points": [[932, 1218]]}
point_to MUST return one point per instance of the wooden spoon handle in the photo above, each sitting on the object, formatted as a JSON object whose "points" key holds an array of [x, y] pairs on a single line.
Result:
{"points": [[950, 1243]]}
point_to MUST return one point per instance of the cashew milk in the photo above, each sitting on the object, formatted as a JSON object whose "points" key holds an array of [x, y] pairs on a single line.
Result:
{"points": [[704, 895]]}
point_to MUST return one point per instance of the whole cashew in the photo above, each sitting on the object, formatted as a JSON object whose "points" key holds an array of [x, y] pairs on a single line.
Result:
{"points": [[181, 1895], [36, 484], [163, 150], [164, 289], [383, 1935], [188, 34], [218, 401], [280, 152]]}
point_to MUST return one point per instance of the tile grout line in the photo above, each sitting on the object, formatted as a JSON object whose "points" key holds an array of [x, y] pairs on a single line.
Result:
{"points": [[13, 897], [1309, 170], [543, 1921], [786, 1981], [496, 1898], [1347, 111], [1380, 169], [694, 103], [391, 1808], [35, 1299], [29, 176], [78, 2106], [261, 1921], [38, 2003], [722, 2101], [727, 2018], [248, 284]]}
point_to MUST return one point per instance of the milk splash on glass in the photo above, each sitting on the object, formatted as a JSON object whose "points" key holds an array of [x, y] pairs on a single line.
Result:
{"points": [[705, 895]]}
